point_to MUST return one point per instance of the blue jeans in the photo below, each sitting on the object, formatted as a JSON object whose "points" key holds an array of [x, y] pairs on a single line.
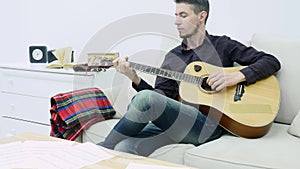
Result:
{"points": [[153, 120]]}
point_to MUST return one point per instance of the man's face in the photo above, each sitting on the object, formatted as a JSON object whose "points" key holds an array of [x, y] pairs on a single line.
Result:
{"points": [[187, 21]]}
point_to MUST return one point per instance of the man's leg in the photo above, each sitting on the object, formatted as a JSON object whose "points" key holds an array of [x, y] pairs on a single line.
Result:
{"points": [[145, 107], [178, 122], [150, 139]]}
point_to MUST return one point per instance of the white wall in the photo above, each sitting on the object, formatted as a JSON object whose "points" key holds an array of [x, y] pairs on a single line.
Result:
{"points": [[240, 19], [60, 23]]}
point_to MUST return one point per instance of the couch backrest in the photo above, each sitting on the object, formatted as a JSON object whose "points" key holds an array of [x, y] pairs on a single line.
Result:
{"points": [[288, 52]]}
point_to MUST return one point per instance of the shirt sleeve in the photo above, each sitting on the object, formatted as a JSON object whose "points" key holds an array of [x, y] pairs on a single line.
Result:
{"points": [[163, 86], [259, 64], [142, 86]]}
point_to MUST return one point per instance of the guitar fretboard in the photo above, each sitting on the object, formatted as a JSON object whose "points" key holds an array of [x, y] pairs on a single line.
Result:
{"points": [[178, 76]]}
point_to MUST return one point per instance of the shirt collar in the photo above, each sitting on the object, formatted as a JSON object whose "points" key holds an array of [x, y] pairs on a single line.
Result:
{"points": [[184, 43]]}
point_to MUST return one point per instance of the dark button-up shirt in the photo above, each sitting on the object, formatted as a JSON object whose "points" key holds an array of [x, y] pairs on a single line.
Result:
{"points": [[216, 50]]}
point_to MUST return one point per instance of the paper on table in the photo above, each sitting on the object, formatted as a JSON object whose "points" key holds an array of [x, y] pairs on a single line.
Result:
{"points": [[26, 154], [34, 162], [10, 154], [80, 155], [51, 154], [39, 148], [148, 166], [94, 152]]}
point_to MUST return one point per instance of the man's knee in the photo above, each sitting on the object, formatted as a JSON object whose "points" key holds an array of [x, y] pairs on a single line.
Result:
{"points": [[146, 106], [144, 94], [127, 146]]}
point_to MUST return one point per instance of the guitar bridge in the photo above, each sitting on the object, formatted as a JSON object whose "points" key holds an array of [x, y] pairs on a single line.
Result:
{"points": [[239, 91]]}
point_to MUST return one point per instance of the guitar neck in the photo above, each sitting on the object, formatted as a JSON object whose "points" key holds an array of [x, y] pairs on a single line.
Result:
{"points": [[169, 74], [178, 76]]}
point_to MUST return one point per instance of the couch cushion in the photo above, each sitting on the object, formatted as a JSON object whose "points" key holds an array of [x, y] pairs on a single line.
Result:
{"points": [[277, 149], [287, 51], [97, 132], [173, 153], [294, 128]]}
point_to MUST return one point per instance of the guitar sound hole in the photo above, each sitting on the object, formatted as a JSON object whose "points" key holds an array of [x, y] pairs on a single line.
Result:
{"points": [[205, 86]]}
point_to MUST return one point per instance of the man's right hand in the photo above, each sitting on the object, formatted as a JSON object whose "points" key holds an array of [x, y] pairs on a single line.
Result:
{"points": [[122, 66]]}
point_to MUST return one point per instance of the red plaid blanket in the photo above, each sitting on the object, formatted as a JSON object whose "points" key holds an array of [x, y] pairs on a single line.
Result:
{"points": [[75, 111]]}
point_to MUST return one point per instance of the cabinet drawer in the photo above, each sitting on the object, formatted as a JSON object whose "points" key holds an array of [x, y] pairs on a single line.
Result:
{"points": [[26, 107], [11, 127], [42, 84]]}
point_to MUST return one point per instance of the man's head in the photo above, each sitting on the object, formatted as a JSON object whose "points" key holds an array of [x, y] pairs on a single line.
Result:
{"points": [[198, 6], [191, 17]]}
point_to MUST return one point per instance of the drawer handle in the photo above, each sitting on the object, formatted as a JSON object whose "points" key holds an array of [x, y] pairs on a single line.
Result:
{"points": [[12, 108], [11, 82]]}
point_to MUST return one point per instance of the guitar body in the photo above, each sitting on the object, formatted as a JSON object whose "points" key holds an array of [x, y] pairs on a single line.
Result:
{"points": [[249, 117]]}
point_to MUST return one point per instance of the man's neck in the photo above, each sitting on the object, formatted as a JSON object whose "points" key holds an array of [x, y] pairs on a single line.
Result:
{"points": [[196, 40]]}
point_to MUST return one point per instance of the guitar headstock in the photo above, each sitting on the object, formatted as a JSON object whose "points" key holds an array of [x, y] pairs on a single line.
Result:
{"points": [[86, 68], [102, 62], [97, 62], [102, 59]]}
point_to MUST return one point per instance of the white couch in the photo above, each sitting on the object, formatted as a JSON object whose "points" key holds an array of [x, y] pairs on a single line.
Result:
{"points": [[277, 149]]}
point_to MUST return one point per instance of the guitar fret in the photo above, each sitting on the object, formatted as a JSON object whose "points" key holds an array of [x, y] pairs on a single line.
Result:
{"points": [[179, 76], [172, 74], [161, 72], [195, 79], [169, 75], [157, 71], [176, 76], [146, 69], [152, 70], [189, 79], [166, 73], [198, 80], [182, 77]]}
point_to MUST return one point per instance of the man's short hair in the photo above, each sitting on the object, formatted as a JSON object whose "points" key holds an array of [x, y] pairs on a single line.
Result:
{"points": [[199, 5]]}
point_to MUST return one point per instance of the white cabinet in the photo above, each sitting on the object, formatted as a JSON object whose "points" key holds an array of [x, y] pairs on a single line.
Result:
{"points": [[25, 95]]}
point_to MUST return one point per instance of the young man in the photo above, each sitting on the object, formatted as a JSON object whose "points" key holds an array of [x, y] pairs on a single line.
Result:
{"points": [[155, 118]]}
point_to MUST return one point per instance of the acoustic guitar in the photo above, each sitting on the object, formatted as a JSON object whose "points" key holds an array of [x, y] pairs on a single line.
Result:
{"points": [[244, 110]]}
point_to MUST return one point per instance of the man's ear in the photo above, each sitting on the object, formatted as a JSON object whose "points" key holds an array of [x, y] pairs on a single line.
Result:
{"points": [[202, 16]]}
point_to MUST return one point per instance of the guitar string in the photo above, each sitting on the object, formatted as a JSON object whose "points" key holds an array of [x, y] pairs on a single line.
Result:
{"points": [[167, 73]]}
